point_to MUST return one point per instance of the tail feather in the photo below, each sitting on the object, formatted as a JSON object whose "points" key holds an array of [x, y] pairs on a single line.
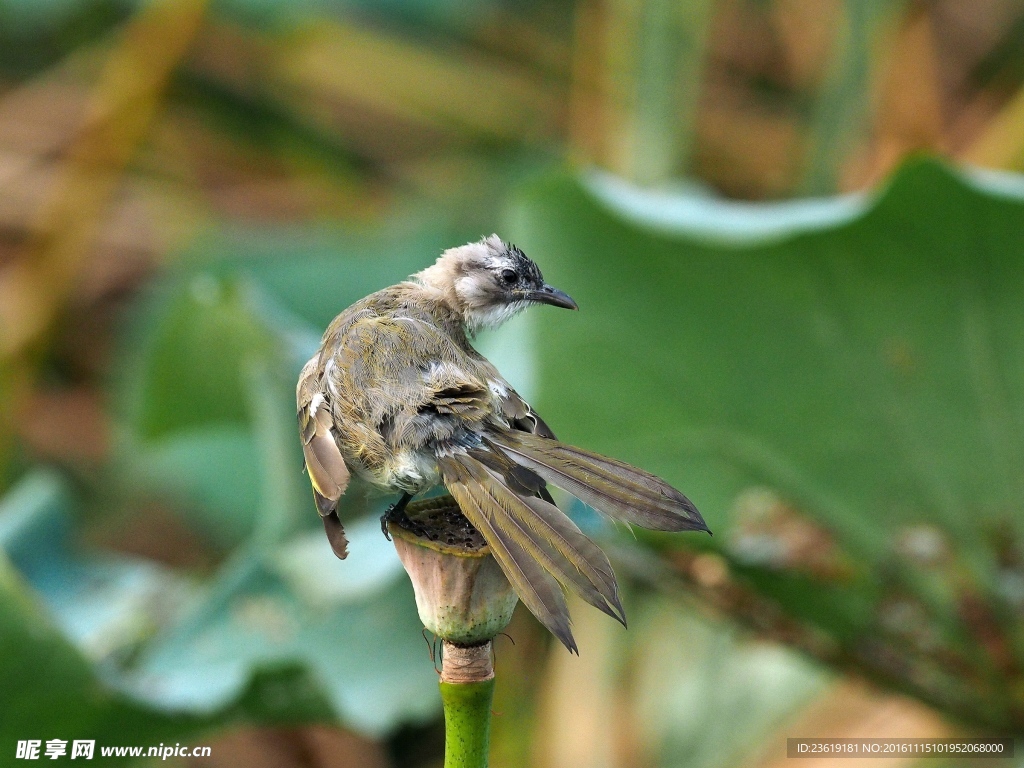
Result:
{"points": [[587, 569], [531, 528], [575, 560], [536, 587], [617, 489], [522, 481], [562, 548]]}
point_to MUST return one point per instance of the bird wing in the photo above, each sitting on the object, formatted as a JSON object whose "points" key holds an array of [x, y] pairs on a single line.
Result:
{"points": [[406, 383], [519, 414], [613, 487], [327, 471], [610, 486]]}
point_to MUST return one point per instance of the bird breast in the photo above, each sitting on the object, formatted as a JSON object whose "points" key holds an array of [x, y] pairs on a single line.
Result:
{"points": [[409, 470]]}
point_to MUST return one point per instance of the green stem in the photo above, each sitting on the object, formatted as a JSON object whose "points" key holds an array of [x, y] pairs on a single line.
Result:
{"points": [[467, 723]]}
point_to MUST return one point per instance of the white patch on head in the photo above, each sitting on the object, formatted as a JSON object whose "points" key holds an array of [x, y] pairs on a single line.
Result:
{"points": [[495, 261], [475, 290], [466, 277], [442, 273], [494, 242]]}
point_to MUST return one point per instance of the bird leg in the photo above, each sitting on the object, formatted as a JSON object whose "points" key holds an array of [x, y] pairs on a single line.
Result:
{"points": [[394, 514]]}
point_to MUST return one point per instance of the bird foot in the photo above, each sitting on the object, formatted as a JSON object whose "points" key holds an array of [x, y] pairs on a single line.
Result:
{"points": [[394, 514]]}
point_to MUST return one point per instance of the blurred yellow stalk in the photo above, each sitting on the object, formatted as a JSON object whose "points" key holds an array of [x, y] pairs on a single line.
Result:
{"points": [[1001, 144], [125, 99], [327, 66]]}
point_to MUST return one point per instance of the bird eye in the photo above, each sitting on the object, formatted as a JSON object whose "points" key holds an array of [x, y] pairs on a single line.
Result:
{"points": [[509, 276]]}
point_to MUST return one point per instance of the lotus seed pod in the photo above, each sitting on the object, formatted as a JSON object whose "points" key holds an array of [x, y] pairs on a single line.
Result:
{"points": [[462, 596]]}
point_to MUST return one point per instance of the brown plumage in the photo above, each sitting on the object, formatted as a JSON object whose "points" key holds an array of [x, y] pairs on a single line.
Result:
{"points": [[398, 395]]}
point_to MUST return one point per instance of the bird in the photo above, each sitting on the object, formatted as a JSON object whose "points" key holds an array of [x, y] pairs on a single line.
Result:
{"points": [[397, 395]]}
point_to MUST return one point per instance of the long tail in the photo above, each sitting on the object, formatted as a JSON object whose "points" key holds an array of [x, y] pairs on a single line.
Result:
{"points": [[535, 544], [617, 489]]}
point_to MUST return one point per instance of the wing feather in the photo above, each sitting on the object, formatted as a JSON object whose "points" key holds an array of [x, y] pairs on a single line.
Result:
{"points": [[610, 486], [328, 473]]}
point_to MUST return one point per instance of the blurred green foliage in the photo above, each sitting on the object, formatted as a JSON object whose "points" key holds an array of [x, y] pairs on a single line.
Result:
{"points": [[848, 437], [842, 401], [836, 382], [48, 685]]}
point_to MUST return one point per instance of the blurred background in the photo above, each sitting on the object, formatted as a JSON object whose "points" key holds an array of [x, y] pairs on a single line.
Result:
{"points": [[796, 235]]}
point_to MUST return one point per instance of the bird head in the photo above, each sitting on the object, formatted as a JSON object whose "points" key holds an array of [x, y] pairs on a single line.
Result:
{"points": [[490, 281]]}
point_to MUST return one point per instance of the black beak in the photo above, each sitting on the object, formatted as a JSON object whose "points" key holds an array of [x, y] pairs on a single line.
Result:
{"points": [[552, 296]]}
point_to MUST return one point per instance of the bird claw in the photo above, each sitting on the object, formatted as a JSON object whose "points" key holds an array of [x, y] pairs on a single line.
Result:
{"points": [[394, 514]]}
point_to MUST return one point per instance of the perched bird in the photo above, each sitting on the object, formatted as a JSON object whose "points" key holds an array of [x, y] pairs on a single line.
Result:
{"points": [[399, 396]]}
